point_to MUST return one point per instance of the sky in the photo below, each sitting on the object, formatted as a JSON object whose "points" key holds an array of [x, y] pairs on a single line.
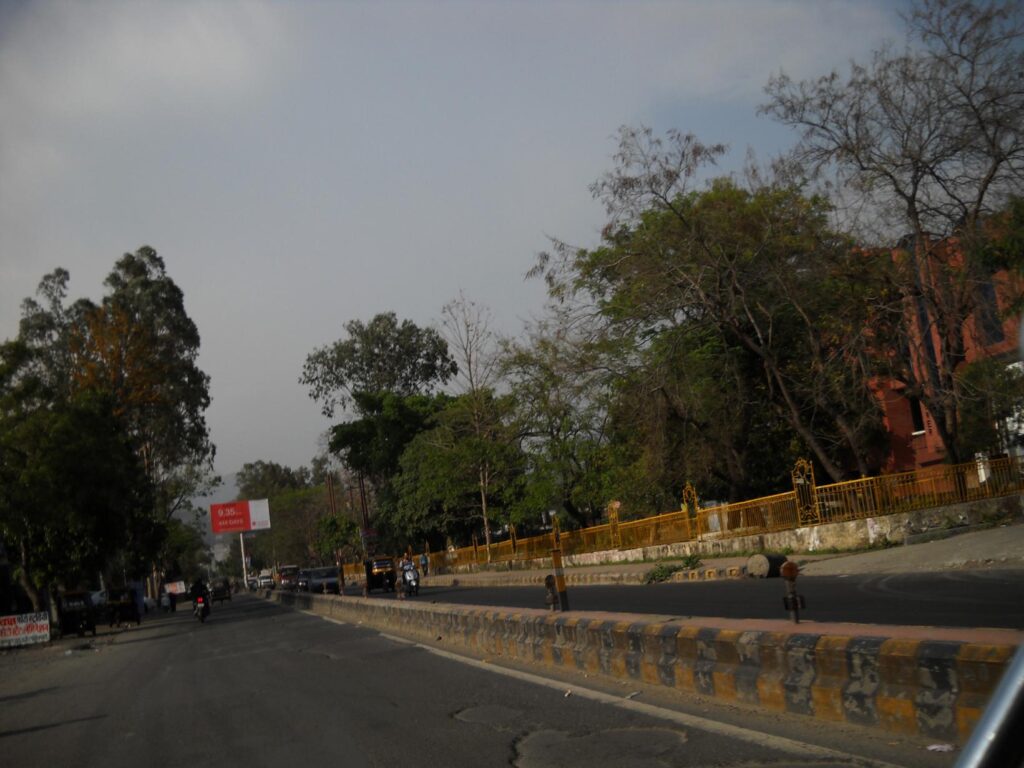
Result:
{"points": [[301, 164]]}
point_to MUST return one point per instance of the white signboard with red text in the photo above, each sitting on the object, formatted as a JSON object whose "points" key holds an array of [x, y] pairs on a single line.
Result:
{"points": [[25, 629], [240, 516]]}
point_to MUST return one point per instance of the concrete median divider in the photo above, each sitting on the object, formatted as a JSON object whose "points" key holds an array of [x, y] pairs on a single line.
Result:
{"points": [[927, 681]]}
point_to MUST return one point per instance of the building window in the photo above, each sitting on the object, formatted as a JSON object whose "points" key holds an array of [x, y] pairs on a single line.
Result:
{"points": [[988, 315], [916, 415]]}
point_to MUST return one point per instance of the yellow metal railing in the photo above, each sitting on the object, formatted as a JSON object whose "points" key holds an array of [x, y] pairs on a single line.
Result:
{"points": [[807, 504]]}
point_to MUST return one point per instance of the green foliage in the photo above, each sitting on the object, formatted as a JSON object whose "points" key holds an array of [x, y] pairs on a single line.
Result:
{"points": [[691, 561], [373, 444], [734, 315], [662, 572], [71, 487], [263, 479], [183, 553], [468, 463], [560, 405], [993, 402], [336, 535], [384, 356]]}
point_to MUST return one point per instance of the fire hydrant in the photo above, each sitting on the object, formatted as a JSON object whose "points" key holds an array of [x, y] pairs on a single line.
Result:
{"points": [[792, 601]]}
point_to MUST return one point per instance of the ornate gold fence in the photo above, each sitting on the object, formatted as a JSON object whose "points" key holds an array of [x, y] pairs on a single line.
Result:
{"points": [[807, 504]]}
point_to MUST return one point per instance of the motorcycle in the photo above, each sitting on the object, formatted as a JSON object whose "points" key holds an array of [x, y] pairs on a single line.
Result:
{"points": [[201, 609], [411, 581]]}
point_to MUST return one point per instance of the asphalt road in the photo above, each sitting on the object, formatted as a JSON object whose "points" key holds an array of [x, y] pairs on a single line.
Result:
{"points": [[261, 685], [986, 598]]}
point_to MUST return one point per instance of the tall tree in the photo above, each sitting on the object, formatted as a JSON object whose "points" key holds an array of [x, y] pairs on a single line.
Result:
{"points": [[932, 137], [561, 395], [467, 328], [141, 345]]}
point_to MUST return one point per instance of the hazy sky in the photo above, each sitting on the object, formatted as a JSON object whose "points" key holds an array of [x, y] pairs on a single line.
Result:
{"points": [[301, 164]]}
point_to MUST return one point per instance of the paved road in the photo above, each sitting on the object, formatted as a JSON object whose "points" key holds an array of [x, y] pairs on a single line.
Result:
{"points": [[260, 685], [990, 598]]}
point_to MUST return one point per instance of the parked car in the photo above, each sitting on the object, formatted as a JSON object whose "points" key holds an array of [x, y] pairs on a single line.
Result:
{"points": [[77, 613], [381, 574], [324, 580], [253, 583], [98, 598], [220, 590], [302, 583], [265, 581]]}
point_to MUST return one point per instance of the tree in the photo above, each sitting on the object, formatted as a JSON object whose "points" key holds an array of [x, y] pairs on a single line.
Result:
{"points": [[561, 399], [695, 408], [382, 356], [71, 487], [756, 268], [264, 479], [461, 470], [336, 536], [183, 552], [474, 423], [932, 137], [141, 345], [993, 413], [135, 353]]}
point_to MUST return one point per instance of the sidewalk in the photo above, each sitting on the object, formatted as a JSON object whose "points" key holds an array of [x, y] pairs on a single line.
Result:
{"points": [[1000, 547]]}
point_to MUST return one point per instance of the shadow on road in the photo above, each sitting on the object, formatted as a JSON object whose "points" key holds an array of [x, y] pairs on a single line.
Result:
{"points": [[48, 726], [27, 694]]}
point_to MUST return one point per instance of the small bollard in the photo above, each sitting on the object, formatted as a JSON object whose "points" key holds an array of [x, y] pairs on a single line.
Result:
{"points": [[551, 598], [792, 601], [563, 596]]}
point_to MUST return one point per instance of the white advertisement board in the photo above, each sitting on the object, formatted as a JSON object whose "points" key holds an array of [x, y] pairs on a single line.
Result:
{"points": [[26, 629]]}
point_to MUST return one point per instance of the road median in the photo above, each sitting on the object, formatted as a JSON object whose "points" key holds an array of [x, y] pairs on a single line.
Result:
{"points": [[928, 681]]}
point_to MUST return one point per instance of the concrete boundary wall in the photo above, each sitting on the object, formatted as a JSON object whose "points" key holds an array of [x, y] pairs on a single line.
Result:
{"points": [[879, 530], [902, 682]]}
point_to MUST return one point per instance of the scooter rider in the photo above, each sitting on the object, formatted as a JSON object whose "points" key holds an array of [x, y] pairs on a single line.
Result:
{"points": [[197, 590], [408, 572]]}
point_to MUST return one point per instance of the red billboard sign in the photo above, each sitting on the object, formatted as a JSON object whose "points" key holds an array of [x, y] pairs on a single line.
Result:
{"points": [[239, 516]]}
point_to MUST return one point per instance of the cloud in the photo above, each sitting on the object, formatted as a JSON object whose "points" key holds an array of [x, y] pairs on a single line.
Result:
{"points": [[69, 68], [299, 164]]}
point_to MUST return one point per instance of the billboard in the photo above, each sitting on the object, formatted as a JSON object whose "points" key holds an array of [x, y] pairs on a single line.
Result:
{"points": [[240, 516], [26, 629]]}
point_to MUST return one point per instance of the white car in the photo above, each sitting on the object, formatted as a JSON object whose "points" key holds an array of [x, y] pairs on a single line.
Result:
{"points": [[99, 598]]}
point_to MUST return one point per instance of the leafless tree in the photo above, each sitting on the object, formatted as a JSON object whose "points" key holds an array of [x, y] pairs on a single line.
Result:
{"points": [[932, 137]]}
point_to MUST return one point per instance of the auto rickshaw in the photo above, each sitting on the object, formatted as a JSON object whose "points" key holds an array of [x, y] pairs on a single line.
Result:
{"points": [[122, 607], [380, 574], [76, 614]]}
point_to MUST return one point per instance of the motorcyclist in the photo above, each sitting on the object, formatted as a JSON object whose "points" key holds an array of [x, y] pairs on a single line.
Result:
{"points": [[197, 590]]}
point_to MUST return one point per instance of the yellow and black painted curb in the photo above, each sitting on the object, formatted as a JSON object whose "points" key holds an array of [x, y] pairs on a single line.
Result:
{"points": [[937, 689]]}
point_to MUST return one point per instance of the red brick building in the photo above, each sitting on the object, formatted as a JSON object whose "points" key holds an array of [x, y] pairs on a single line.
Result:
{"points": [[987, 333]]}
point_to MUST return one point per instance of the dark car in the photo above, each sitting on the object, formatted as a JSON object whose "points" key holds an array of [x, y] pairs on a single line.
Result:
{"points": [[220, 589], [302, 582], [381, 574], [324, 580], [77, 614]]}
